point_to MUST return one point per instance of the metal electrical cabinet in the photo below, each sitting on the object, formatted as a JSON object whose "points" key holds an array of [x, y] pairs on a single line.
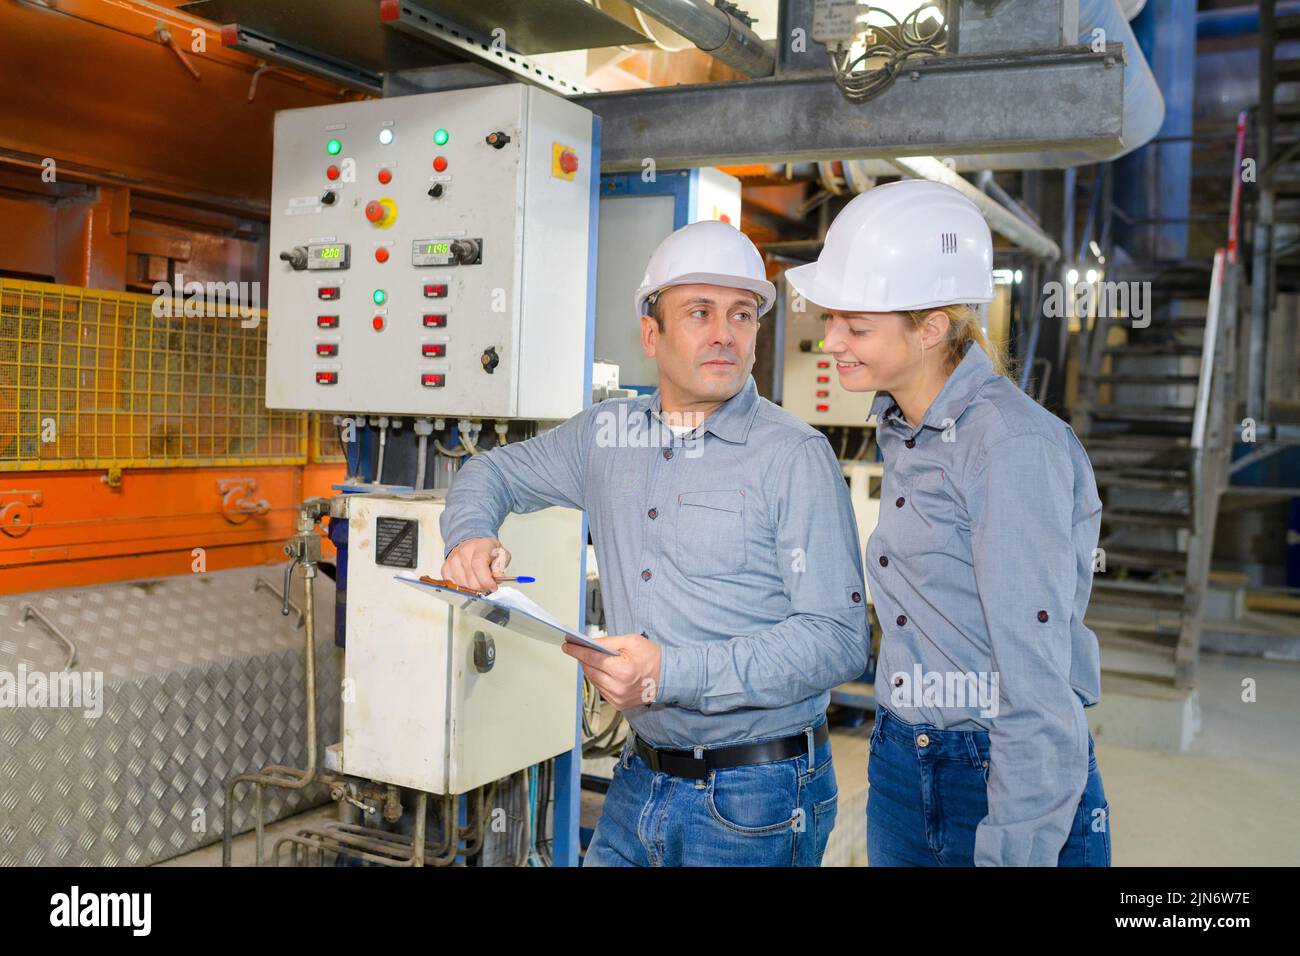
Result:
{"points": [[417, 710], [429, 255]]}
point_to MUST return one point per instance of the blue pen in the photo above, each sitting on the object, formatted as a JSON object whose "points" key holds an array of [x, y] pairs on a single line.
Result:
{"points": [[522, 579]]}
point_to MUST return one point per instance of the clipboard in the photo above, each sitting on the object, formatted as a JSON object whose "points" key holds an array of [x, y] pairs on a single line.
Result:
{"points": [[516, 619]]}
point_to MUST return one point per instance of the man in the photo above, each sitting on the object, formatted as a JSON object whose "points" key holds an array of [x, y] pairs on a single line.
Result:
{"points": [[730, 567]]}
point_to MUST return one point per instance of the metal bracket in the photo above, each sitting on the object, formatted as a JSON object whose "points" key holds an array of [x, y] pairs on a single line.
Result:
{"points": [[29, 611], [15, 514]]}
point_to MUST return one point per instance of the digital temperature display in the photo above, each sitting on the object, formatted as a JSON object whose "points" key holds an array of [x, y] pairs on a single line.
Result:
{"points": [[436, 248], [327, 255]]}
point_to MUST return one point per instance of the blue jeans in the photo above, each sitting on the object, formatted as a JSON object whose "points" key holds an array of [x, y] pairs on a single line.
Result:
{"points": [[770, 814], [924, 803]]}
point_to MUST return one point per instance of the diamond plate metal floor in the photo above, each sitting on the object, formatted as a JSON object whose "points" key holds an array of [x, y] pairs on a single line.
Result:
{"points": [[202, 679]]}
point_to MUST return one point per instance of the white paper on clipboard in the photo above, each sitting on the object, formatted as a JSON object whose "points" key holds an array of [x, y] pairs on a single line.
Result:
{"points": [[508, 608]]}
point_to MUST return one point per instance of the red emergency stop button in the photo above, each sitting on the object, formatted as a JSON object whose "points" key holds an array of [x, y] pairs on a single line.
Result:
{"points": [[377, 323], [440, 163], [332, 172], [385, 176], [569, 161], [374, 210], [381, 254]]}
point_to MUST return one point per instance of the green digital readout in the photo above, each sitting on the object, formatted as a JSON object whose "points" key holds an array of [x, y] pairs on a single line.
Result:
{"points": [[437, 249], [329, 252]]}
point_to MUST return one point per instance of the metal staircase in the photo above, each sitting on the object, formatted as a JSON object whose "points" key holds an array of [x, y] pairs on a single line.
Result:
{"points": [[1153, 416]]}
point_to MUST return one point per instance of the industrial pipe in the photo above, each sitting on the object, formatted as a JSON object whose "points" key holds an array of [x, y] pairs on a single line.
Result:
{"points": [[714, 31]]}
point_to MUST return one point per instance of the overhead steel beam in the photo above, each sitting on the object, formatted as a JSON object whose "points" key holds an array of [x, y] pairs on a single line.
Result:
{"points": [[1071, 98]]}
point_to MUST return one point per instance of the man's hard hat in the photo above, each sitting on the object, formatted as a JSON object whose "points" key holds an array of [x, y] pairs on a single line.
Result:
{"points": [[711, 253], [913, 244]]}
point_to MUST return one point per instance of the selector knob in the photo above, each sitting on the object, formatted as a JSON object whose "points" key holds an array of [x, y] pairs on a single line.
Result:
{"points": [[490, 360], [297, 258], [466, 251], [329, 198], [497, 140], [435, 191]]}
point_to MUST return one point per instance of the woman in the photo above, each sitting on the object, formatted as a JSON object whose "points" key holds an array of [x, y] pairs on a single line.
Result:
{"points": [[981, 565]]}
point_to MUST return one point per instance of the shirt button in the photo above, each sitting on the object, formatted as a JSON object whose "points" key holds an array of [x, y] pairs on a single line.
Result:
{"points": [[923, 740], [645, 575], [898, 682], [900, 620], [1042, 616], [668, 453], [857, 597], [910, 443], [652, 513], [884, 561], [898, 503]]}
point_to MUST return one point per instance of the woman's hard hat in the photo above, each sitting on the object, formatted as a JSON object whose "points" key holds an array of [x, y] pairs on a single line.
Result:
{"points": [[913, 244]]}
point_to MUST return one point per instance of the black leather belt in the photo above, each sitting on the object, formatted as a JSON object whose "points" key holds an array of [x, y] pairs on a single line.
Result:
{"points": [[684, 763]]}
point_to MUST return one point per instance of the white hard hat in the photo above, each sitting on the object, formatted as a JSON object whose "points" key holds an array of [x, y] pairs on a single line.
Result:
{"points": [[913, 244], [709, 252]]}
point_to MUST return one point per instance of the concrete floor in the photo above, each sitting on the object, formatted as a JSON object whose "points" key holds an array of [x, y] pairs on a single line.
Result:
{"points": [[1232, 800]]}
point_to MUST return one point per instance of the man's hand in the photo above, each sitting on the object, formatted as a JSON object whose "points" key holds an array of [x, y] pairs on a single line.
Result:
{"points": [[627, 681], [477, 563]]}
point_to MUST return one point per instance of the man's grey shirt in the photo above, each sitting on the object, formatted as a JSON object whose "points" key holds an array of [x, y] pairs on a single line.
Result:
{"points": [[734, 548], [982, 565]]}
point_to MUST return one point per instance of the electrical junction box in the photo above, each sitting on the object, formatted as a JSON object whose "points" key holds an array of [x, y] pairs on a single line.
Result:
{"points": [[429, 255], [418, 710]]}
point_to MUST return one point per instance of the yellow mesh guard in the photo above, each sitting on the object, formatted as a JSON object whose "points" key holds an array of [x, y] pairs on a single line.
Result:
{"points": [[93, 379]]}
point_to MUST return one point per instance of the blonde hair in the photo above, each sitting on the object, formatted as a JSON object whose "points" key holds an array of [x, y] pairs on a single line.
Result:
{"points": [[963, 326]]}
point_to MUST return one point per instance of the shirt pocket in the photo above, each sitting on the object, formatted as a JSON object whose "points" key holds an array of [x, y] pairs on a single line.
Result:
{"points": [[711, 532], [926, 515]]}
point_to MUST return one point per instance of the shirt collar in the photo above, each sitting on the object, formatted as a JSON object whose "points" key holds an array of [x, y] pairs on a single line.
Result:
{"points": [[971, 374], [731, 420]]}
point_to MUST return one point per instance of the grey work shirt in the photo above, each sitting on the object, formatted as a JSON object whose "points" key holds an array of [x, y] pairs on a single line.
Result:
{"points": [[980, 571], [734, 548]]}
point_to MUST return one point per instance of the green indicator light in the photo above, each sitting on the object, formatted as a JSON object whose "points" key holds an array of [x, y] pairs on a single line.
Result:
{"points": [[440, 137], [380, 296], [334, 147]]}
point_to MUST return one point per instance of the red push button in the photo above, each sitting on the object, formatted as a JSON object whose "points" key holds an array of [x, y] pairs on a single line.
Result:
{"points": [[568, 161], [381, 254], [374, 210], [327, 348], [433, 349], [435, 321], [327, 321], [328, 292], [385, 176], [433, 379], [440, 163], [823, 408], [823, 364], [377, 323], [332, 172], [327, 378], [435, 291], [823, 379]]}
